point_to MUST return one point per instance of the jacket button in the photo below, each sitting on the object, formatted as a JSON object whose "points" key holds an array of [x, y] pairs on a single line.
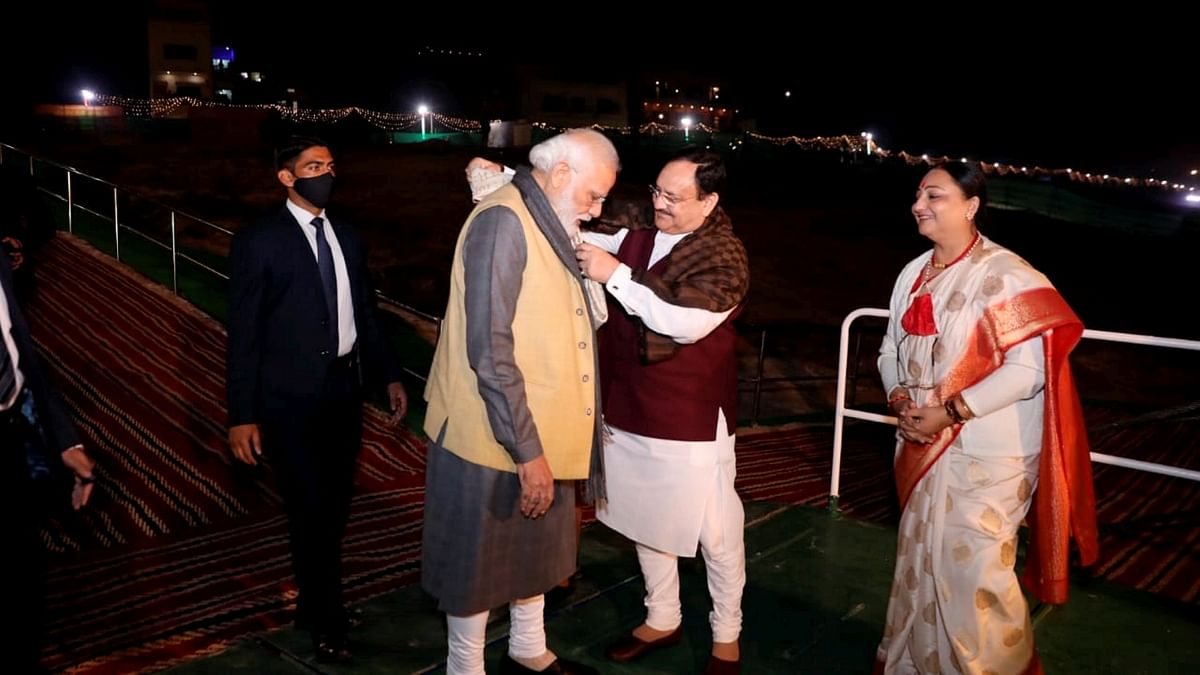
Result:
{"points": [[324, 322], [583, 345], [588, 412], [324, 352], [578, 311], [585, 378]]}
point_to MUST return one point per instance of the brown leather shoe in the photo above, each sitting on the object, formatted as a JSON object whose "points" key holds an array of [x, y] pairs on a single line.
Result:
{"points": [[630, 647], [722, 667]]}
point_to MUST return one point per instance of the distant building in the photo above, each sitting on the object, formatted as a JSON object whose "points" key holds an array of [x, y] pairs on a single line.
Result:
{"points": [[180, 44], [574, 99], [678, 99]]}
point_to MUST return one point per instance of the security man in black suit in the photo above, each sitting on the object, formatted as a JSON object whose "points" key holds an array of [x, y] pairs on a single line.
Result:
{"points": [[304, 343]]}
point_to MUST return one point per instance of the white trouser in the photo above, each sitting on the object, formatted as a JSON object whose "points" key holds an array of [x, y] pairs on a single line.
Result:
{"points": [[467, 636], [724, 550]]}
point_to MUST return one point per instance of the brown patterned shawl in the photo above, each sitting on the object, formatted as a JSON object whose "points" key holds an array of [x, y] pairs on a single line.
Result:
{"points": [[706, 270]]}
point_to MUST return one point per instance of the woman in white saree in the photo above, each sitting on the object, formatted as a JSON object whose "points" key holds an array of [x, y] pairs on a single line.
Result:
{"points": [[974, 363]]}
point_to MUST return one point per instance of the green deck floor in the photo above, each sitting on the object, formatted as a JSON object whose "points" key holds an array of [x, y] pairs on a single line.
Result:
{"points": [[815, 599]]}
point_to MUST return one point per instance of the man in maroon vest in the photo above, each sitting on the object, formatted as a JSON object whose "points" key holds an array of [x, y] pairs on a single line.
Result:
{"points": [[669, 376]]}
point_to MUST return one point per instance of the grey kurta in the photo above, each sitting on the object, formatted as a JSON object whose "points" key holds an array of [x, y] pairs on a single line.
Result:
{"points": [[478, 551]]}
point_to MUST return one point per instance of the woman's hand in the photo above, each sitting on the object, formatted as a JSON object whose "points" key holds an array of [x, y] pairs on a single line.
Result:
{"points": [[900, 404], [922, 425]]}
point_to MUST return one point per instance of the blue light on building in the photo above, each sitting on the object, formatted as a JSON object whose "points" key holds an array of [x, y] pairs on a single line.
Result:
{"points": [[222, 57]]}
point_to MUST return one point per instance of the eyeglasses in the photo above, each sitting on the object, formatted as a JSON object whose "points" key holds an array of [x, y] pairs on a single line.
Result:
{"points": [[917, 380], [656, 192]]}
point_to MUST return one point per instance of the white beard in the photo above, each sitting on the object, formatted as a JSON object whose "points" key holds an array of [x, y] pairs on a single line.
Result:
{"points": [[565, 210]]}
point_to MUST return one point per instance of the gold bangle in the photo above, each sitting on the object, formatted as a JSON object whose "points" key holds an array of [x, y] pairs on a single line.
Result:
{"points": [[964, 410]]}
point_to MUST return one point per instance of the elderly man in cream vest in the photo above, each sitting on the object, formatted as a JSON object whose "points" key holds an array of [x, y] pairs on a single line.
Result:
{"points": [[513, 405]]}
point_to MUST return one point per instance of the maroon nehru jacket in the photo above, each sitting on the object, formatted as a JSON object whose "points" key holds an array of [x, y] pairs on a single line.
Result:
{"points": [[676, 399]]}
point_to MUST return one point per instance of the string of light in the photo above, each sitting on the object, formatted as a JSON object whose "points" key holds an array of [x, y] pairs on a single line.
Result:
{"points": [[394, 122], [387, 121]]}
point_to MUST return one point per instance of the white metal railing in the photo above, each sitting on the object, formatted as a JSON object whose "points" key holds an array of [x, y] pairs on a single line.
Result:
{"points": [[841, 412], [69, 199]]}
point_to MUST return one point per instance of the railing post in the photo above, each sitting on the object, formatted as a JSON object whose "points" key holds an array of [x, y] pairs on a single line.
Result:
{"points": [[70, 205], [116, 225], [758, 379], [838, 419], [174, 257]]}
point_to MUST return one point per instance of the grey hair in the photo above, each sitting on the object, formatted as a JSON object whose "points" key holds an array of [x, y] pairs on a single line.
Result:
{"points": [[573, 147]]}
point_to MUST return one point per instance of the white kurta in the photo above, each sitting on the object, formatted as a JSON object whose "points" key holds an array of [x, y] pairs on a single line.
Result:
{"points": [[659, 489]]}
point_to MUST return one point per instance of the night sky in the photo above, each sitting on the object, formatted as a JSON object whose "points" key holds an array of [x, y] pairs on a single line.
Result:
{"points": [[1111, 99]]}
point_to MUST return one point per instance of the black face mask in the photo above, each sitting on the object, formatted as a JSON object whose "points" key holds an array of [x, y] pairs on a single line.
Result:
{"points": [[316, 189]]}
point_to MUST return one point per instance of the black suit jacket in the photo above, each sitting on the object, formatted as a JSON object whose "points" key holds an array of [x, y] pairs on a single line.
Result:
{"points": [[280, 343], [56, 428]]}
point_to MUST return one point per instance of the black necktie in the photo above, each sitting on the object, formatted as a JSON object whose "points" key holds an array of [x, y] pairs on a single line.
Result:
{"points": [[328, 278]]}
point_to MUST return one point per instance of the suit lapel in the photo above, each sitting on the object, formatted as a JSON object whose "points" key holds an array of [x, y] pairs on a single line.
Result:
{"points": [[295, 243]]}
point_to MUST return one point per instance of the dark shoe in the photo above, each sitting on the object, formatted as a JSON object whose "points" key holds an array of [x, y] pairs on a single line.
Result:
{"points": [[560, 666], [631, 647], [722, 667], [354, 618], [331, 649], [561, 592]]}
